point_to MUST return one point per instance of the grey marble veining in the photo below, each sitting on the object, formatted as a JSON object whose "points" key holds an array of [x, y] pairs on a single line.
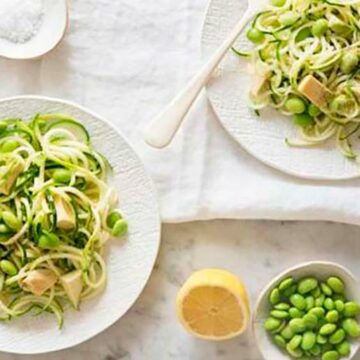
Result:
{"points": [[254, 250]]}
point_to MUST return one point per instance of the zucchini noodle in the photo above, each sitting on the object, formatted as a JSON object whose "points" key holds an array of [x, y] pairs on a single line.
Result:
{"points": [[306, 65], [56, 214]]}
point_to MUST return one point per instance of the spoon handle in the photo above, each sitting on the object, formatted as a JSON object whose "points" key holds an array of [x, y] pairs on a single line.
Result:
{"points": [[163, 128]]}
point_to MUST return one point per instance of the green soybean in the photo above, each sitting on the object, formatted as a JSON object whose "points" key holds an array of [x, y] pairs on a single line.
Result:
{"points": [[320, 27], [295, 342], [315, 350], [279, 314], [11, 220], [303, 34], [308, 340], [326, 289], [316, 292], [336, 284], [295, 105], [9, 146], [49, 241], [329, 304], [255, 35], [295, 313], [310, 320], [280, 341], [310, 302], [298, 301], [330, 355], [327, 329], [297, 353], [288, 18], [4, 229], [320, 300], [289, 291], [297, 325], [286, 283], [282, 306], [62, 176], [320, 339], [332, 316], [113, 217], [274, 296], [8, 267], [351, 327], [306, 285], [337, 337], [339, 305], [120, 228], [287, 333], [272, 324], [318, 311], [349, 62], [344, 348], [278, 3], [351, 309]]}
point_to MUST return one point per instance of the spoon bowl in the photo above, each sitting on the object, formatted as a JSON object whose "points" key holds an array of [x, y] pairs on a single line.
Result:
{"points": [[50, 33]]}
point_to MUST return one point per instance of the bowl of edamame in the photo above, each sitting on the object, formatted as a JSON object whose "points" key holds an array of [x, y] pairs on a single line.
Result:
{"points": [[309, 311]]}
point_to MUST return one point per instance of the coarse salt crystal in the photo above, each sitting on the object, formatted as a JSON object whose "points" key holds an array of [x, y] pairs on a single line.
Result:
{"points": [[20, 20]]}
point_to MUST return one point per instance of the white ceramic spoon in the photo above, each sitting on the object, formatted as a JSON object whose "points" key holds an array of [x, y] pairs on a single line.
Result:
{"points": [[50, 33], [164, 127]]}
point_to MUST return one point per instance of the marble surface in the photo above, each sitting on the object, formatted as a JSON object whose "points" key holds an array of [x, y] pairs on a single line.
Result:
{"points": [[254, 250]]}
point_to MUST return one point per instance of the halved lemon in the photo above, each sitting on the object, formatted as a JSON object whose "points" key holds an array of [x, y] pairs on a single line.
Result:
{"points": [[213, 304]]}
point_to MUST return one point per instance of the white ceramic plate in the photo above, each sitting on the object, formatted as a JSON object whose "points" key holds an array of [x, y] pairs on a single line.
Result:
{"points": [[263, 137], [129, 261]]}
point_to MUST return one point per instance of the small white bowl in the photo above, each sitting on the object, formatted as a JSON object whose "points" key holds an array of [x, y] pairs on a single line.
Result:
{"points": [[319, 269], [50, 33]]}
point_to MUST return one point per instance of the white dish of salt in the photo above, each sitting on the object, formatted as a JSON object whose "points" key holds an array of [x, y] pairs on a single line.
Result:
{"points": [[31, 28]]}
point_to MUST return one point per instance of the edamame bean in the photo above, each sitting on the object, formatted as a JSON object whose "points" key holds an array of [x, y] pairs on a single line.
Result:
{"points": [[272, 324], [298, 301], [282, 306], [295, 342], [328, 304], [3, 126], [303, 34], [255, 35], [349, 62], [337, 337], [280, 341], [351, 327], [286, 283], [288, 18], [318, 311], [320, 339], [297, 353], [9, 146], [287, 333], [344, 348], [295, 105], [316, 293], [4, 229], [295, 313], [339, 305], [336, 284], [326, 289], [320, 27], [11, 220], [327, 329], [120, 228], [280, 328], [338, 102], [113, 217], [332, 316], [310, 302], [316, 350], [290, 290], [308, 340], [320, 300], [306, 285], [310, 320], [303, 120], [330, 355], [351, 309], [297, 325], [49, 241], [314, 111], [279, 314], [8, 267], [339, 297], [278, 3], [274, 296], [62, 176]]}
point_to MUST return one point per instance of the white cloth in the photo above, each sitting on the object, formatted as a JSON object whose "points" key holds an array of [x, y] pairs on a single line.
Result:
{"points": [[126, 59]]}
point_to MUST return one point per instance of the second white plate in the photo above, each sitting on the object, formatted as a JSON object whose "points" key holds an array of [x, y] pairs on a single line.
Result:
{"points": [[264, 136]]}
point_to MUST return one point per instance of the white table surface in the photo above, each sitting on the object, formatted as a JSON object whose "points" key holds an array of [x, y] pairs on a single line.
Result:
{"points": [[254, 250]]}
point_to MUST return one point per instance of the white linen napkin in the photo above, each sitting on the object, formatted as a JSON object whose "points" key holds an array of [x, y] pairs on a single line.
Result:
{"points": [[125, 60]]}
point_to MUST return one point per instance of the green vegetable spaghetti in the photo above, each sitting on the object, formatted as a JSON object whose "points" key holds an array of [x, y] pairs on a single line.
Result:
{"points": [[56, 214], [306, 65]]}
